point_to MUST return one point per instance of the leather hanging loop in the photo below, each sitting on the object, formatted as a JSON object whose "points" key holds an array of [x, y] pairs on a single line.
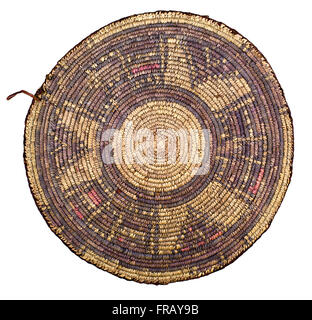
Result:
{"points": [[22, 91]]}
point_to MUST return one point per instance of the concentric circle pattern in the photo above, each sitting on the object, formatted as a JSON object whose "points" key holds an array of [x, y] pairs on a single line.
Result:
{"points": [[179, 207]]}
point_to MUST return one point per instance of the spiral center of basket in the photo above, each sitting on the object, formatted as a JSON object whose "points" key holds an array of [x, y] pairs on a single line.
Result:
{"points": [[159, 147]]}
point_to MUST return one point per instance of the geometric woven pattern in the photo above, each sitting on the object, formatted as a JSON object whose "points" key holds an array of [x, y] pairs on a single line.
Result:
{"points": [[160, 221]]}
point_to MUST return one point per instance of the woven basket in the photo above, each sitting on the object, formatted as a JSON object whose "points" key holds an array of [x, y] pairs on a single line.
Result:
{"points": [[164, 220]]}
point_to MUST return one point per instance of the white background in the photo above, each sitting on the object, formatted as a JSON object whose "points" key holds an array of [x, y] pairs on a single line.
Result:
{"points": [[34, 263]]}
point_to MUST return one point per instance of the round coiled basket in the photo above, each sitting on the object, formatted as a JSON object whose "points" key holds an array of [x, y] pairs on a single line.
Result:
{"points": [[166, 211]]}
